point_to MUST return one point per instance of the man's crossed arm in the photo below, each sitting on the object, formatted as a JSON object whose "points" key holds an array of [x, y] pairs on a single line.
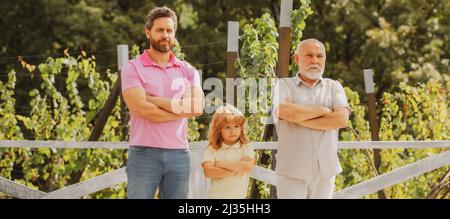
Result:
{"points": [[190, 105], [314, 117], [158, 109]]}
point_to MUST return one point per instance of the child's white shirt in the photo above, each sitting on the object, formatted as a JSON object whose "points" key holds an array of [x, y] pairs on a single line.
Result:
{"points": [[230, 187]]}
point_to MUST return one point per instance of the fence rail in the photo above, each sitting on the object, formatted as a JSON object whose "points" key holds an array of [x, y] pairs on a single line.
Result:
{"points": [[201, 145], [199, 185]]}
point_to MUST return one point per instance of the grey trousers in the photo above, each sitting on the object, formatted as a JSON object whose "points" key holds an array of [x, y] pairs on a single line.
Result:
{"points": [[318, 188]]}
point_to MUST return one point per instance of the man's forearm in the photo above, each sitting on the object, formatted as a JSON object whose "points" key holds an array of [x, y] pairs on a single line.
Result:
{"points": [[334, 120], [155, 114], [186, 107], [136, 102], [297, 114]]}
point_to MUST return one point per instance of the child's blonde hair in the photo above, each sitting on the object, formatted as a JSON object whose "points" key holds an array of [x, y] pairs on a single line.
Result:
{"points": [[222, 116]]}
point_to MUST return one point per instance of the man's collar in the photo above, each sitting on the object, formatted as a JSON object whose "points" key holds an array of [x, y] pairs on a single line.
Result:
{"points": [[146, 61]]}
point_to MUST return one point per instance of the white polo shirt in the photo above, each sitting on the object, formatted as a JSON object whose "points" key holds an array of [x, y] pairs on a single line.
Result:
{"points": [[230, 187], [305, 153]]}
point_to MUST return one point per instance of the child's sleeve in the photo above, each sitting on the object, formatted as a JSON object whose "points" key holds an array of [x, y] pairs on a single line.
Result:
{"points": [[208, 155], [249, 151]]}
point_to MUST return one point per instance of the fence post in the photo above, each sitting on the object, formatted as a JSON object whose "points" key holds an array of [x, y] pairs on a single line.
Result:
{"points": [[232, 53], [373, 121], [285, 38], [122, 59]]}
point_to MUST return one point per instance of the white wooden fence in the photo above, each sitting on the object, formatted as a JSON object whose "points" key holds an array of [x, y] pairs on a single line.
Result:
{"points": [[199, 185]]}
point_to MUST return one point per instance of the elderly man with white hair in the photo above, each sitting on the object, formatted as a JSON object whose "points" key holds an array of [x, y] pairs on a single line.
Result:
{"points": [[308, 112]]}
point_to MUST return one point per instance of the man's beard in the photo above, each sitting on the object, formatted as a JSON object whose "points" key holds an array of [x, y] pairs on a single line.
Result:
{"points": [[312, 74], [158, 46]]}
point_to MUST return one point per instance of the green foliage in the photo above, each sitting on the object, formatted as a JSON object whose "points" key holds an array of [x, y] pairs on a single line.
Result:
{"points": [[403, 41], [60, 114], [258, 55], [414, 113], [258, 58], [299, 17], [9, 128]]}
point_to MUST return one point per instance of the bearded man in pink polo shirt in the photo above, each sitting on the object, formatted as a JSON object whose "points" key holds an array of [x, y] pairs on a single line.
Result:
{"points": [[161, 92]]}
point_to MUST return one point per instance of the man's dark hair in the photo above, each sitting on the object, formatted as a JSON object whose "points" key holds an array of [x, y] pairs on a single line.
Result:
{"points": [[158, 13]]}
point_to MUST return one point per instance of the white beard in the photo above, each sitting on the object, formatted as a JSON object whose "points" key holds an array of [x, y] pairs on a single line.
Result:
{"points": [[312, 75]]}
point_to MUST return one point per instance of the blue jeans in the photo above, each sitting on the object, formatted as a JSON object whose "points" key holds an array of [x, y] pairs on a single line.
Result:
{"points": [[149, 168]]}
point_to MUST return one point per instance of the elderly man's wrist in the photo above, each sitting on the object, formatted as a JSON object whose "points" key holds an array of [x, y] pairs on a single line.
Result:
{"points": [[149, 98], [327, 110]]}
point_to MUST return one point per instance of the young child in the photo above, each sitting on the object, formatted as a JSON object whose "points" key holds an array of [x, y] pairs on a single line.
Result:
{"points": [[228, 159]]}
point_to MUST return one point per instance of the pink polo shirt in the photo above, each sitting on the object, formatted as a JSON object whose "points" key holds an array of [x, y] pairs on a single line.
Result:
{"points": [[170, 82]]}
